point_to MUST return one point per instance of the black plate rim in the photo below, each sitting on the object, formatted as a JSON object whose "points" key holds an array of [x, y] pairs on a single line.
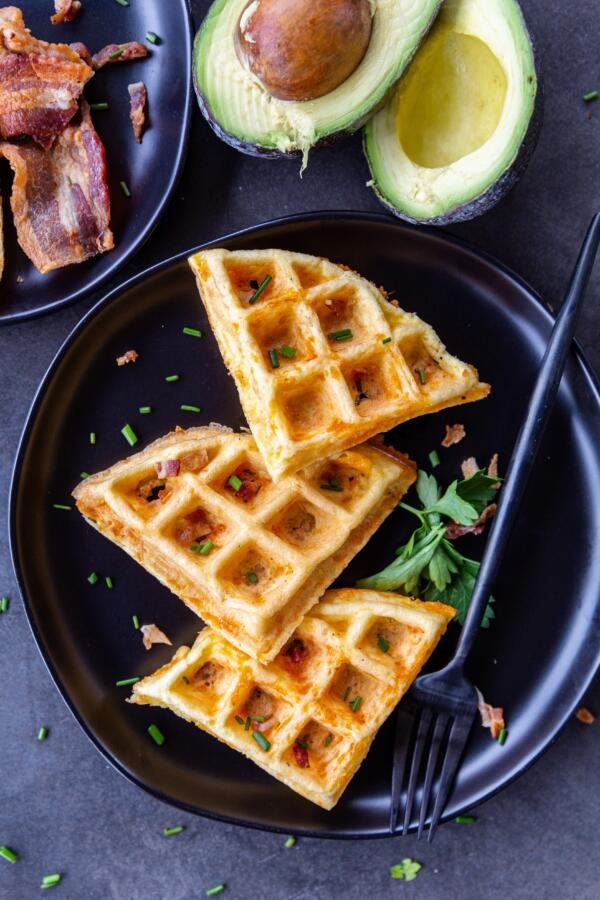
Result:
{"points": [[96, 282], [314, 216]]}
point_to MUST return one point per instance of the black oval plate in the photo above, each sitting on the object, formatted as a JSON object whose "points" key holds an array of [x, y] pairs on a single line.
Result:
{"points": [[150, 169], [544, 646]]}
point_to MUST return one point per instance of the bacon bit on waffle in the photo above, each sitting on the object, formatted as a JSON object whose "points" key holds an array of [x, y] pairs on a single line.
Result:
{"points": [[194, 461], [250, 486], [469, 467], [492, 717], [167, 467], [296, 651], [585, 716], [66, 11], [454, 531], [118, 53], [129, 356], [301, 756], [138, 100], [454, 435], [336, 307], [153, 635]]}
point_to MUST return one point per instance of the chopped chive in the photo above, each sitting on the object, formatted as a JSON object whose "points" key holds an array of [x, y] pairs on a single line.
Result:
{"points": [[193, 332], [251, 577], [235, 482], [328, 740], [50, 880], [291, 842], [593, 95], [84, 475], [152, 37], [171, 378], [465, 820], [355, 705], [344, 335], [247, 724], [125, 682], [156, 735], [99, 106], [123, 2], [136, 622], [288, 352], [8, 854], [186, 407], [301, 743], [261, 740], [332, 485], [346, 692], [170, 831], [239, 720], [42, 733], [185, 678], [116, 53], [109, 582], [144, 410], [92, 578], [129, 435], [92, 437], [274, 358], [383, 645], [434, 459], [125, 188], [387, 340], [422, 377], [202, 549], [256, 718], [61, 506], [260, 289], [502, 737], [4, 604], [217, 889]]}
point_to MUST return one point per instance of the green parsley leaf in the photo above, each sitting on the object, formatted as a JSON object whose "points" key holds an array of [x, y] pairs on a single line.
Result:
{"points": [[478, 490], [405, 570], [452, 505], [459, 590], [427, 489], [408, 869], [441, 568]]}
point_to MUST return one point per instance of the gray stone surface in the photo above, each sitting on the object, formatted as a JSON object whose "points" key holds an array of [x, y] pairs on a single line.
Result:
{"points": [[63, 808]]}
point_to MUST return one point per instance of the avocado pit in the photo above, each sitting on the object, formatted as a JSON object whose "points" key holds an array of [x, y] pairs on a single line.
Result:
{"points": [[300, 49]]}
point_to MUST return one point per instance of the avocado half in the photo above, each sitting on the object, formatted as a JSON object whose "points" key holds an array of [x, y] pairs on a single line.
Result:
{"points": [[462, 124], [246, 116]]}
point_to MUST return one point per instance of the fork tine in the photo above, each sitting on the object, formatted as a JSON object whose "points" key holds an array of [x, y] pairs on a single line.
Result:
{"points": [[439, 731], [405, 720], [424, 726], [457, 739]]}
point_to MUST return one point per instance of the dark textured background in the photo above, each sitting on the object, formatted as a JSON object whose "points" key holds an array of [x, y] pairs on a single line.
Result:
{"points": [[63, 808]]}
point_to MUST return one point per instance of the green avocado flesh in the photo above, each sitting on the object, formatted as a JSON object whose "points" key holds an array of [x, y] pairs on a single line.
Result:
{"points": [[458, 118], [243, 113]]}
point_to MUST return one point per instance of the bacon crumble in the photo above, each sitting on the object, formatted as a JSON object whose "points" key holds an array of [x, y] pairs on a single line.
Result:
{"points": [[585, 716], [66, 11], [492, 717], [455, 531], [454, 435], [138, 101], [151, 634], [118, 53], [129, 356], [301, 756]]}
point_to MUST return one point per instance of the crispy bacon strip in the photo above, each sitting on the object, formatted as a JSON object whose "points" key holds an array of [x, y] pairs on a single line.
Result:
{"points": [[60, 200], [66, 11], [138, 100], [118, 53], [40, 83]]}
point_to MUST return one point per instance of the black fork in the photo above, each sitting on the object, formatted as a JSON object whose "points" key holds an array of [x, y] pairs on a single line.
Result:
{"points": [[442, 706]]}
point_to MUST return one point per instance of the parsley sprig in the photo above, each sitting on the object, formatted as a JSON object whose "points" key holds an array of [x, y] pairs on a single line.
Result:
{"points": [[429, 565]]}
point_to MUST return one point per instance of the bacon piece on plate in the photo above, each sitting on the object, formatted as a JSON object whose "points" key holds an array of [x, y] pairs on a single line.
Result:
{"points": [[129, 356], [60, 200], [454, 435], [492, 717], [82, 51], [66, 11], [40, 83], [138, 99], [118, 53]]}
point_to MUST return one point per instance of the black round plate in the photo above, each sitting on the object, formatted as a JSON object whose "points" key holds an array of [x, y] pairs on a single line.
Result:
{"points": [[535, 661], [150, 169]]}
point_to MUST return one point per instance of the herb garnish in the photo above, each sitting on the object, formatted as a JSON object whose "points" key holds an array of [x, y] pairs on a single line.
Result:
{"points": [[408, 869], [264, 283], [429, 565], [344, 335], [383, 645]]}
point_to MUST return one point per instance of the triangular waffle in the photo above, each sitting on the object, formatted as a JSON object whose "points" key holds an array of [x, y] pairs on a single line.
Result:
{"points": [[322, 361], [249, 556], [309, 717]]}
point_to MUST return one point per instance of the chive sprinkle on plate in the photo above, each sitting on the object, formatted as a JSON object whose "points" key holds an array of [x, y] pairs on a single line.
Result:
{"points": [[592, 95], [193, 332], [4, 604], [92, 578], [144, 410], [136, 622], [8, 854], [109, 582], [156, 735], [61, 506], [169, 832], [171, 378], [42, 733], [465, 820], [92, 437], [99, 107], [153, 38], [217, 889], [84, 475], [291, 842], [122, 2], [187, 407], [129, 435], [125, 682], [49, 881], [125, 189], [434, 459]]}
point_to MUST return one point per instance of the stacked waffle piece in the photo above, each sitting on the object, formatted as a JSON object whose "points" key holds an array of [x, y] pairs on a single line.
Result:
{"points": [[250, 530]]}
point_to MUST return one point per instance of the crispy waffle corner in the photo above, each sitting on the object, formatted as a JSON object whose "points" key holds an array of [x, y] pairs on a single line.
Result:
{"points": [[322, 361], [246, 554], [308, 718]]}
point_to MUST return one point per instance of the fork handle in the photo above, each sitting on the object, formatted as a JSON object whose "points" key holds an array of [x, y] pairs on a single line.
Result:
{"points": [[529, 439]]}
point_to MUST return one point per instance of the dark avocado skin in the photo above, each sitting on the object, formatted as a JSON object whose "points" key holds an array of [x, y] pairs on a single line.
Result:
{"points": [[268, 152], [497, 191]]}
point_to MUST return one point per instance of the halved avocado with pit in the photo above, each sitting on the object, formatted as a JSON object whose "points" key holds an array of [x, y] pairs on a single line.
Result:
{"points": [[244, 114], [460, 127]]}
